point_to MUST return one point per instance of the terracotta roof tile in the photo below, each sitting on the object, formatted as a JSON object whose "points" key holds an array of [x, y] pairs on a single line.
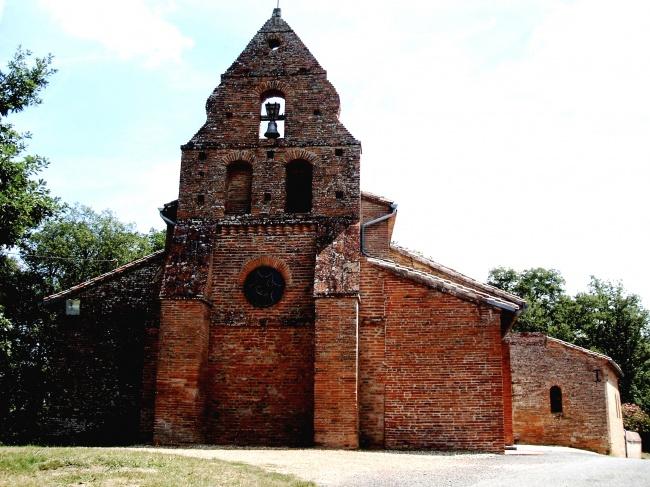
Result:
{"points": [[457, 276], [447, 286]]}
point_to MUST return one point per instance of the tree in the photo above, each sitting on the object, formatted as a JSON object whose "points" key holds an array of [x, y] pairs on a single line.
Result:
{"points": [[605, 319], [76, 245], [609, 320], [543, 290], [24, 201], [80, 244]]}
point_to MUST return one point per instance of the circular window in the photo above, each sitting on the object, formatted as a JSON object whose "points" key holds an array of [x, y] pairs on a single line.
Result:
{"points": [[274, 44], [264, 287]]}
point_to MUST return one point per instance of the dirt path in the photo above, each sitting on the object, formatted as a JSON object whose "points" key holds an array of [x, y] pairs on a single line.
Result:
{"points": [[530, 466]]}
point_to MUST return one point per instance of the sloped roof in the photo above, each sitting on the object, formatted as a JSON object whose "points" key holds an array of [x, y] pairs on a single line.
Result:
{"points": [[460, 278], [447, 286], [256, 60], [105, 277], [588, 352], [375, 198]]}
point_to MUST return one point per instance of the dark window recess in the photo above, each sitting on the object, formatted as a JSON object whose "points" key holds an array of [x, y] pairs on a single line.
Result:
{"points": [[317, 112], [201, 174], [303, 70], [202, 156], [556, 399], [264, 287], [200, 200], [229, 115], [338, 152], [239, 178], [298, 187], [339, 195], [274, 43], [270, 154], [267, 197]]}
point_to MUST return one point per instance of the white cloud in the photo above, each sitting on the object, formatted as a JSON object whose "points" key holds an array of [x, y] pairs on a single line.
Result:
{"points": [[129, 29]]}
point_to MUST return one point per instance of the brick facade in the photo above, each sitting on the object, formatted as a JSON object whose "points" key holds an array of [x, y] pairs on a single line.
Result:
{"points": [[366, 344], [590, 416], [106, 357]]}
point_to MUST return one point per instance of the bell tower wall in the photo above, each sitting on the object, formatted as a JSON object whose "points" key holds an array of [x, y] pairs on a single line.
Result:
{"points": [[266, 235]]}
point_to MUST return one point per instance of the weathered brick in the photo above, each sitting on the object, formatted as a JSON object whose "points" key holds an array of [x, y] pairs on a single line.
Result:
{"points": [[591, 415]]}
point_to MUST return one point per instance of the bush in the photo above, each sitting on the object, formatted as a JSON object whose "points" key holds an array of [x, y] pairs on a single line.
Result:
{"points": [[635, 419]]}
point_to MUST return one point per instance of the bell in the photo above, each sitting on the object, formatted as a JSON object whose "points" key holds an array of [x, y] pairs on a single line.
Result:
{"points": [[272, 130]]}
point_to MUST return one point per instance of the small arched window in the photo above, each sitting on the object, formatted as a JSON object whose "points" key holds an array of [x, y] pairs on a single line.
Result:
{"points": [[556, 399], [272, 115], [239, 178], [298, 187]]}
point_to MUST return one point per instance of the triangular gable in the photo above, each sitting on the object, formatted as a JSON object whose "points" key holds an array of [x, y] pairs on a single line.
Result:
{"points": [[258, 59]]}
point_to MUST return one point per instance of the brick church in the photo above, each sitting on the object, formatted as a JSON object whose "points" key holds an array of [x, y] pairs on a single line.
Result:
{"points": [[279, 313]]}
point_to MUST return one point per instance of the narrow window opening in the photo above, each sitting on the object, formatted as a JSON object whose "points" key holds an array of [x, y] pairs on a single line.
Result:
{"points": [[299, 187], [202, 156], [556, 399], [272, 115], [274, 44], [239, 179], [338, 152], [201, 174], [200, 200], [339, 195], [317, 112], [267, 197], [229, 115], [270, 154]]}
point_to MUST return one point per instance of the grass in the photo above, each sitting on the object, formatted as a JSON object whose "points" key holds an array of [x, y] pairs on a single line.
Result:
{"points": [[32, 466]]}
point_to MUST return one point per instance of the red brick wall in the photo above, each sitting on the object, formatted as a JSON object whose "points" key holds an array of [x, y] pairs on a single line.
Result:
{"points": [[105, 360], [149, 373], [336, 416], [376, 239], [439, 377], [537, 365], [182, 360], [260, 379], [507, 394], [261, 385], [372, 348], [332, 174]]}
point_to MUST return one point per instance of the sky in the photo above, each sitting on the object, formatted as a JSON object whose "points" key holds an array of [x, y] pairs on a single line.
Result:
{"points": [[511, 133]]}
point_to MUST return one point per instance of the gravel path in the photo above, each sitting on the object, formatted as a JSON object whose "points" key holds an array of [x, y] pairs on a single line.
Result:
{"points": [[529, 466]]}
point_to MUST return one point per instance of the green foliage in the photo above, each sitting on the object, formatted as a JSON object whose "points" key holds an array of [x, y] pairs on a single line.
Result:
{"points": [[609, 320], [543, 290], [605, 319], [25, 347], [76, 245], [21, 84], [635, 419], [24, 200], [80, 244]]}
